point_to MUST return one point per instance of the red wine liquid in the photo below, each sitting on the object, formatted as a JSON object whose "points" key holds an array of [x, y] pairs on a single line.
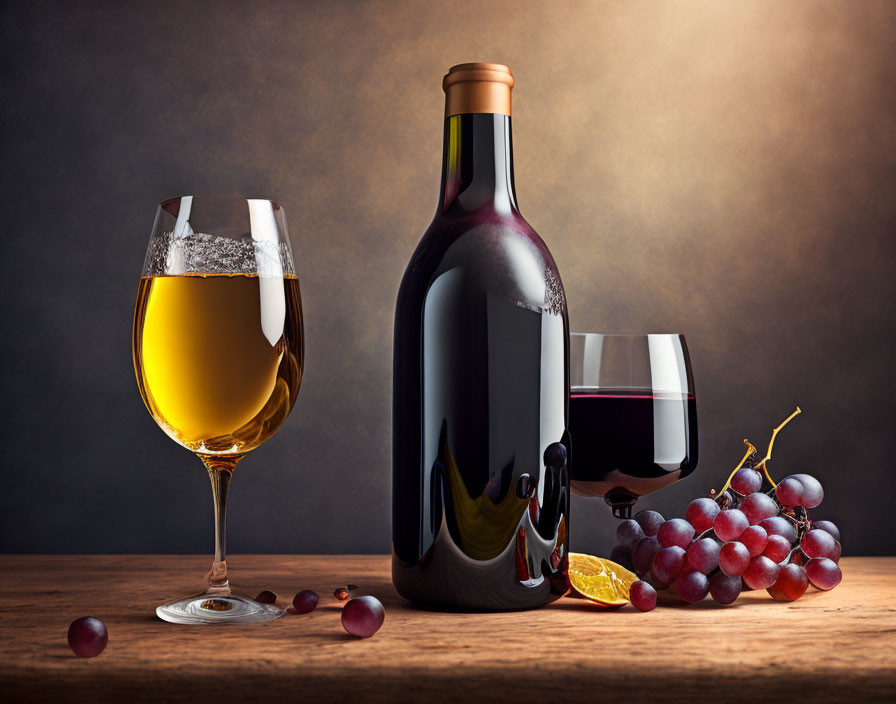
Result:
{"points": [[631, 440]]}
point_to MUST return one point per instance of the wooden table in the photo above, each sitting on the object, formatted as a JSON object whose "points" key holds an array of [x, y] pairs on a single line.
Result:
{"points": [[832, 646]]}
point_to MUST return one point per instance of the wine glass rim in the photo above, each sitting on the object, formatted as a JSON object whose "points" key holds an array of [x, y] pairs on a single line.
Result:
{"points": [[273, 202]]}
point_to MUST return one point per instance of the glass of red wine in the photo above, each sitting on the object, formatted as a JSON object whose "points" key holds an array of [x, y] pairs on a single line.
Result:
{"points": [[632, 416]]}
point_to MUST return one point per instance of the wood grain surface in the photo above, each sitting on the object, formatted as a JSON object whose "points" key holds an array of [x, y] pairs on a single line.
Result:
{"points": [[826, 647]]}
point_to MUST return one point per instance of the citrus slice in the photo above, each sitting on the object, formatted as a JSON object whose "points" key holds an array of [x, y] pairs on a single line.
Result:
{"points": [[600, 580]]}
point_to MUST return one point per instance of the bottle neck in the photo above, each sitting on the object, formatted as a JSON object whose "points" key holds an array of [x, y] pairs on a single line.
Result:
{"points": [[477, 164]]}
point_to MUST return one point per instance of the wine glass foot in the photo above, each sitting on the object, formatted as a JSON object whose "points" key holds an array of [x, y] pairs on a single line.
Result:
{"points": [[205, 609]]}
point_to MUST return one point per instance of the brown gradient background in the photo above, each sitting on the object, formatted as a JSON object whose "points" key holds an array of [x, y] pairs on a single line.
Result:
{"points": [[721, 169]]}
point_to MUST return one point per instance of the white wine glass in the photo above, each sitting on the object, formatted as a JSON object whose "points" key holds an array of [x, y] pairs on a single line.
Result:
{"points": [[218, 352]]}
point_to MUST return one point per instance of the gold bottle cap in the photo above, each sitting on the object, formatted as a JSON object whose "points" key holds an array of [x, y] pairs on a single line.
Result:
{"points": [[477, 87]]}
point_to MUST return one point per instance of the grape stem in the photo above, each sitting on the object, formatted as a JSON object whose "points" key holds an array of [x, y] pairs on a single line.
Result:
{"points": [[768, 454], [749, 453]]}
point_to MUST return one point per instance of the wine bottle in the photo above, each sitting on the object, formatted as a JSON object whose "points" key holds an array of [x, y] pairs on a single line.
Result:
{"points": [[480, 507]]}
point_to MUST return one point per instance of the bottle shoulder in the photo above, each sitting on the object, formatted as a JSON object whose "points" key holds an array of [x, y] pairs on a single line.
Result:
{"points": [[491, 252], [452, 236]]}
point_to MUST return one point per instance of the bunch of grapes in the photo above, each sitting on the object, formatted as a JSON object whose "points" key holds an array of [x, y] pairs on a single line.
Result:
{"points": [[742, 539]]}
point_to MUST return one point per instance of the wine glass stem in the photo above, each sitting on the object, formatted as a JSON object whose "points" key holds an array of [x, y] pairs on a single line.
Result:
{"points": [[220, 471]]}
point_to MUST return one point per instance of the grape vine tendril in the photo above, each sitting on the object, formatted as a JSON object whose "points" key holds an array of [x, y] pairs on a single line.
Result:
{"points": [[751, 451], [768, 454]]}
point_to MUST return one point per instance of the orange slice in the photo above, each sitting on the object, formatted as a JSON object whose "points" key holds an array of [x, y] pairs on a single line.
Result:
{"points": [[600, 580]]}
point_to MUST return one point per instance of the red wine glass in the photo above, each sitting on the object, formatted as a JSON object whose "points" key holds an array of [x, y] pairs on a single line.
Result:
{"points": [[632, 416]]}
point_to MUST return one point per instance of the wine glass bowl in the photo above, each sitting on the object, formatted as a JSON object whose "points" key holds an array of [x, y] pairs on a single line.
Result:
{"points": [[632, 416], [218, 352]]}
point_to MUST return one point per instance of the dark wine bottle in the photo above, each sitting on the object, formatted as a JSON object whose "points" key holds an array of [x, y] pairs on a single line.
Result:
{"points": [[480, 506]]}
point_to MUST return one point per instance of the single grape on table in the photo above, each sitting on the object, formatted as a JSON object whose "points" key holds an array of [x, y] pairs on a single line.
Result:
{"points": [[643, 596], [87, 637], [305, 601], [363, 616]]}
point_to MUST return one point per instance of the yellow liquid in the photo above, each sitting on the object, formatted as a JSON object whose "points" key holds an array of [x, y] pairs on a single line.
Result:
{"points": [[218, 357]]}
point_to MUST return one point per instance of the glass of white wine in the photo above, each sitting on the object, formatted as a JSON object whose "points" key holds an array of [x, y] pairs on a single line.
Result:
{"points": [[218, 352]]}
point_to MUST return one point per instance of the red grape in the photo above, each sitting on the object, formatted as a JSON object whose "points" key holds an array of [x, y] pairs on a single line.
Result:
{"points": [[649, 521], [797, 557], [655, 581], [812, 490], [642, 596], [266, 597], [667, 563], [87, 637], [700, 513], [746, 481], [703, 555], [824, 574], [692, 587], [777, 525], [724, 589], [628, 533], [790, 585], [754, 539], [305, 601], [363, 616], [776, 549], [789, 492], [642, 555], [827, 526], [734, 558], [761, 573], [757, 507], [817, 543], [676, 531], [729, 524], [836, 552], [622, 555], [686, 568]]}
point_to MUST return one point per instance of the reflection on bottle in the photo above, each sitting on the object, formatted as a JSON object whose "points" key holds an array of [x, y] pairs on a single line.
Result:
{"points": [[482, 540]]}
